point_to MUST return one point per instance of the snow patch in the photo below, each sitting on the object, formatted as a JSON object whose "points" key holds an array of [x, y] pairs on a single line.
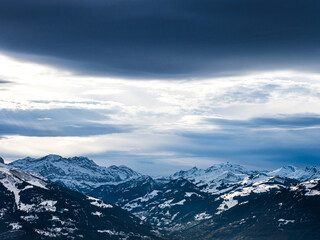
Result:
{"points": [[202, 216], [189, 194], [313, 193], [169, 203], [284, 222], [99, 203], [99, 214], [15, 226]]}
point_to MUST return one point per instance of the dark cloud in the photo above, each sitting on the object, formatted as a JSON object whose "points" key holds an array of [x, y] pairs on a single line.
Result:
{"points": [[5, 81], [165, 38], [265, 149], [291, 121], [256, 141], [57, 122]]}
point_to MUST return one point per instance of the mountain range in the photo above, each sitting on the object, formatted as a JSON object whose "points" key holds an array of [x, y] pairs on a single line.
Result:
{"points": [[76, 173], [219, 202], [32, 208]]}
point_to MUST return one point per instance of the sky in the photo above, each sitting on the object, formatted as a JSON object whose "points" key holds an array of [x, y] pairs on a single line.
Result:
{"points": [[162, 85]]}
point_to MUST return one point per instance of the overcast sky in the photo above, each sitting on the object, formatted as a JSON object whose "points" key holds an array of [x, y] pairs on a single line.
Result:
{"points": [[161, 85]]}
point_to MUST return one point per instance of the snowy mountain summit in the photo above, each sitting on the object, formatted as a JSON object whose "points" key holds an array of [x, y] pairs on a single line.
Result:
{"points": [[308, 173], [76, 173], [230, 173], [216, 171], [215, 176]]}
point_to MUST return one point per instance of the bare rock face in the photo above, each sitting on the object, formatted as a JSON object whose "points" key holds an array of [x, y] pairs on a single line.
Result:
{"points": [[1, 160]]}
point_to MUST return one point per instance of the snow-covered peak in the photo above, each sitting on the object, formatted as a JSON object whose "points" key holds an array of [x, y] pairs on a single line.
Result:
{"points": [[227, 171], [285, 171], [296, 173], [216, 178], [233, 173], [51, 158], [312, 173], [77, 173], [124, 172], [234, 168], [191, 172]]}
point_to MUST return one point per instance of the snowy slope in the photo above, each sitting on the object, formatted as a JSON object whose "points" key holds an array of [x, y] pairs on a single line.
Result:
{"points": [[32, 209], [181, 204], [288, 213], [177, 205], [251, 187]]}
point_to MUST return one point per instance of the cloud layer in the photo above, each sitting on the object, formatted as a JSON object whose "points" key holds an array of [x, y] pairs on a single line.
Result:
{"points": [[261, 120], [166, 38], [264, 142], [57, 123]]}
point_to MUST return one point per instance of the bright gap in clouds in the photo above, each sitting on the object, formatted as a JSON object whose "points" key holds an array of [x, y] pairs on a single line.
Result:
{"points": [[262, 120]]}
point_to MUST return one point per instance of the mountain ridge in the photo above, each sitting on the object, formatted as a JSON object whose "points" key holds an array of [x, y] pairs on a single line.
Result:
{"points": [[306, 173], [185, 199], [32, 208], [76, 173]]}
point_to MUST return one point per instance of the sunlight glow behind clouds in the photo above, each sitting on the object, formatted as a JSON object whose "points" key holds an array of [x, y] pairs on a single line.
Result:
{"points": [[159, 110]]}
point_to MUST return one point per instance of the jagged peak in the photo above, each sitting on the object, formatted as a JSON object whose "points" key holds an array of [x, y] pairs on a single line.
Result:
{"points": [[77, 173], [118, 167], [81, 160], [56, 158], [184, 172], [180, 181], [226, 165], [216, 169], [27, 159], [312, 168], [285, 169], [49, 157], [1, 160], [290, 167], [78, 160], [122, 168], [52, 157], [294, 172]]}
